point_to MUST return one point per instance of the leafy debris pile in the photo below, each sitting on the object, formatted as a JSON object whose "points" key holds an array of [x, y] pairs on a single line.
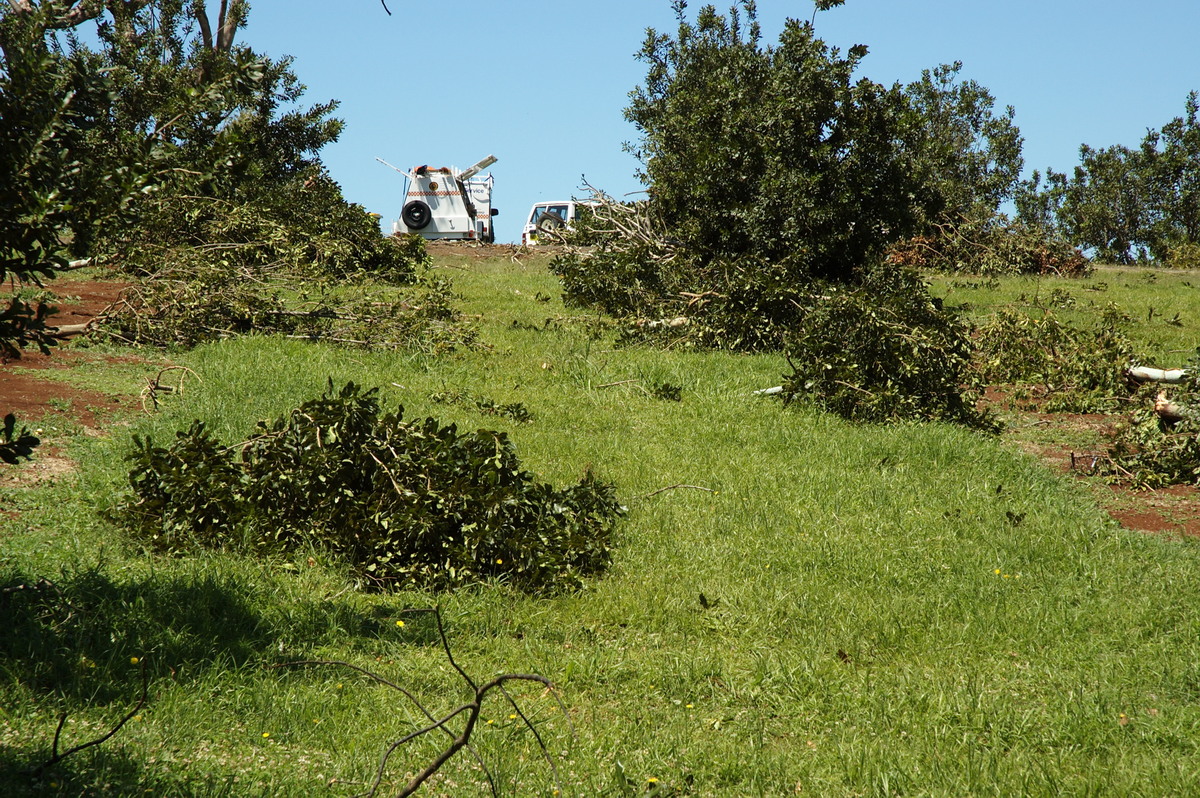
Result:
{"points": [[408, 504]]}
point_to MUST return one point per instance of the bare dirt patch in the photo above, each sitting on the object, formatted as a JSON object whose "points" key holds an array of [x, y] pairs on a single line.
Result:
{"points": [[37, 401], [1077, 444], [472, 250], [32, 397]]}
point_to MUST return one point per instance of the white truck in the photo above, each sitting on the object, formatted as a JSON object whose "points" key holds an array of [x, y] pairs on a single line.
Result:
{"points": [[547, 217], [444, 203]]}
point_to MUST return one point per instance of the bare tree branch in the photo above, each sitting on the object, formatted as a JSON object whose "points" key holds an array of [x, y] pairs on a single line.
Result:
{"points": [[56, 757], [201, 15], [470, 709]]}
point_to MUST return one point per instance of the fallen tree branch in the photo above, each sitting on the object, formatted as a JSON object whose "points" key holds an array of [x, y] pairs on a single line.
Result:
{"points": [[57, 757], [677, 487], [1168, 410], [1142, 374], [154, 386], [68, 330], [470, 709]]}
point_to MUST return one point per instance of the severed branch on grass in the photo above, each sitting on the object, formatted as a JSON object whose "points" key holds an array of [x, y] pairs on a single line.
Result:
{"points": [[676, 487], [469, 711], [155, 386], [56, 757]]}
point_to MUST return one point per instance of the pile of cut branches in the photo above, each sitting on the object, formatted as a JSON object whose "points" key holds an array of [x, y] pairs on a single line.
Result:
{"points": [[989, 244], [1160, 445], [186, 305], [404, 503], [1074, 369], [299, 262], [878, 347]]}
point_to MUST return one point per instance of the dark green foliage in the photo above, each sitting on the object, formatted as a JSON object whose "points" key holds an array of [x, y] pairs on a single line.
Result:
{"points": [[16, 444], [22, 324], [50, 195], [1077, 369], [407, 504], [884, 350], [969, 158], [225, 118], [1173, 184], [1104, 206], [771, 154], [33, 167], [188, 494]]}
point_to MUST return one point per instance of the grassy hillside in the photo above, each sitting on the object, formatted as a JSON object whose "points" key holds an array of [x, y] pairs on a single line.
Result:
{"points": [[807, 608]]}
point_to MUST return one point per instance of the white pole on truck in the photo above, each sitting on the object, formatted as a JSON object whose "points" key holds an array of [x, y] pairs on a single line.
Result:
{"points": [[477, 168]]}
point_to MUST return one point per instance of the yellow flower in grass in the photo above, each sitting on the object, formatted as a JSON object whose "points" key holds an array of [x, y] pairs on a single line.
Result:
{"points": [[400, 624]]}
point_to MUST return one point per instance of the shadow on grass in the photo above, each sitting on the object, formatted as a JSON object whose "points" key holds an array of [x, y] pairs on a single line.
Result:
{"points": [[105, 771], [77, 639]]}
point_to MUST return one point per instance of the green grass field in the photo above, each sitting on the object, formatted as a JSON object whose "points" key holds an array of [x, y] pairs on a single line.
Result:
{"points": [[812, 608]]}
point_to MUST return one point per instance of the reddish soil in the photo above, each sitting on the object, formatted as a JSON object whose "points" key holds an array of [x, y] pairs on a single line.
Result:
{"points": [[1076, 443], [30, 396], [38, 401]]}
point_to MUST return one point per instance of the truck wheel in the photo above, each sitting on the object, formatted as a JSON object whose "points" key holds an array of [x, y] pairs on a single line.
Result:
{"points": [[416, 215], [549, 222]]}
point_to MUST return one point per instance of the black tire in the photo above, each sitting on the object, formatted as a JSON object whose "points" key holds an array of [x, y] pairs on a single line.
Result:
{"points": [[416, 215]]}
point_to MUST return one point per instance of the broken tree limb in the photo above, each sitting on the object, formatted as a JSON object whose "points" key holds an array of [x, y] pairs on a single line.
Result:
{"points": [[678, 321], [68, 330], [1168, 410], [1148, 374]]}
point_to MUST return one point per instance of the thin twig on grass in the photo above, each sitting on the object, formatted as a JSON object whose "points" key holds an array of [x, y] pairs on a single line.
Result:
{"points": [[470, 710], [56, 757], [155, 386], [676, 487]]}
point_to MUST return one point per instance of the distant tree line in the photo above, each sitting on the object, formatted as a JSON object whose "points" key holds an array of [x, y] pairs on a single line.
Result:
{"points": [[1128, 205]]}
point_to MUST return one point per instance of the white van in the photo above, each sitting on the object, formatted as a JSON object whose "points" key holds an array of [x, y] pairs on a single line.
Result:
{"points": [[546, 217]]}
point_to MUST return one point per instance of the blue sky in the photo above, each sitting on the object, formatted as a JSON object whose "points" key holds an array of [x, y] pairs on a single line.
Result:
{"points": [[542, 85]]}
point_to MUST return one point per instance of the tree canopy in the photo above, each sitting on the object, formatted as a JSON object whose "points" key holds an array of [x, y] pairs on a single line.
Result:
{"points": [[776, 152], [1128, 204]]}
